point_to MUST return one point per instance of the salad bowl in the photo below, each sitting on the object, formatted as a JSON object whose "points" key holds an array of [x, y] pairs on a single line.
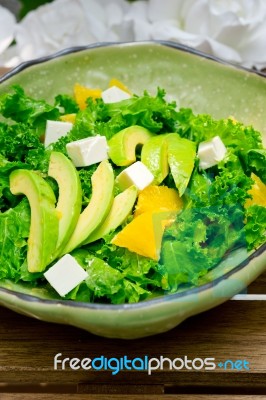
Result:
{"points": [[192, 79]]}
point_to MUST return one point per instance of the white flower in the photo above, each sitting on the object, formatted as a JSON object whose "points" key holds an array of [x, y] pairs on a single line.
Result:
{"points": [[137, 15], [7, 28], [234, 30], [65, 23]]}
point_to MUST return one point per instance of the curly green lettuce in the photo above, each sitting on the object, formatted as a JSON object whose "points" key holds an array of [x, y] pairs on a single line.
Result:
{"points": [[98, 118], [104, 283], [198, 240], [14, 228], [255, 228], [19, 107]]}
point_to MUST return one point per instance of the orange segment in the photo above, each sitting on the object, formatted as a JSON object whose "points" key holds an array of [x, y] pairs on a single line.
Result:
{"points": [[120, 85], [82, 93], [158, 198], [157, 207], [143, 235], [69, 118], [258, 192]]}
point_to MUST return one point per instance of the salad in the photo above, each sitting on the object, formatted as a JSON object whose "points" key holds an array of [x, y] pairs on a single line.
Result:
{"points": [[132, 196]]}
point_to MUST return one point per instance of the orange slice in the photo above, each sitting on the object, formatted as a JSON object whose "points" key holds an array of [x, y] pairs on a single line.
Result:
{"points": [[82, 93], [69, 118], [258, 193], [120, 85], [143, 235], [158, 198]]}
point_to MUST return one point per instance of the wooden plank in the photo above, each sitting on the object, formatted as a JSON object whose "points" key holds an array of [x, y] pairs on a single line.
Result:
{"points": [[259, 285], [35, 396], [235, 330], [3, 70]]}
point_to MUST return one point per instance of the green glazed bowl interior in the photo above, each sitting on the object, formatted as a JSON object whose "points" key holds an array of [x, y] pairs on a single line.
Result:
{"points": [[195, 80]]}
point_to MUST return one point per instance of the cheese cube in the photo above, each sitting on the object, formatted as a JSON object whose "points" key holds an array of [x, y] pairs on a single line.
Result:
{"points": [[55, 130], [137, 174], [65, 275], [211, 152], [114, 95], [88, 151]]}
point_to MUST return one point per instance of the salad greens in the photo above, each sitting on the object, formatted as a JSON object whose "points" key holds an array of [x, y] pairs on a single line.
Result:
{"points": [[14, 228], [215, 218], [21, 108]]}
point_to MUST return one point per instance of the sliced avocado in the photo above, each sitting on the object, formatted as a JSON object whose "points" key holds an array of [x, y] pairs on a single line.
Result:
{"points": [[121, 208], [44, 220], [98, 207], [181, 159], [122, 146], [70, 196], [154, 156]]}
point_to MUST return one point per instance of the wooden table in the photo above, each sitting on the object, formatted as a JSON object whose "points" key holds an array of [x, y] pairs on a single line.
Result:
{"points": [[3, 70], [235, 330]]}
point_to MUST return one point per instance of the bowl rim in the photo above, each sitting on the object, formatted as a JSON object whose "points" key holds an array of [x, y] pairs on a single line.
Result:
{"points": [[166, 43], [162, 298]]}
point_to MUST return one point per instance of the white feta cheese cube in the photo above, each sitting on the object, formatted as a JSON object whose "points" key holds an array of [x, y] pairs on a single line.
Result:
{"points": [[65, 275], [55, 130], [88, 151], [211, 152], [136, 174], [114, 95]]}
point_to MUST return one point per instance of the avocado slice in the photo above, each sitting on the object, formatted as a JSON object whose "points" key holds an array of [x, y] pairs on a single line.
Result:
{"points": [[70, 196], [44, 219], [97, 209], [121, 208], [154, 156], [122, 146], [181, 159]]}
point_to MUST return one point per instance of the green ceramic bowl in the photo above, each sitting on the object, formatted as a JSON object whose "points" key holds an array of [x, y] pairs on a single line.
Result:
{"points": [[193, 79]]}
